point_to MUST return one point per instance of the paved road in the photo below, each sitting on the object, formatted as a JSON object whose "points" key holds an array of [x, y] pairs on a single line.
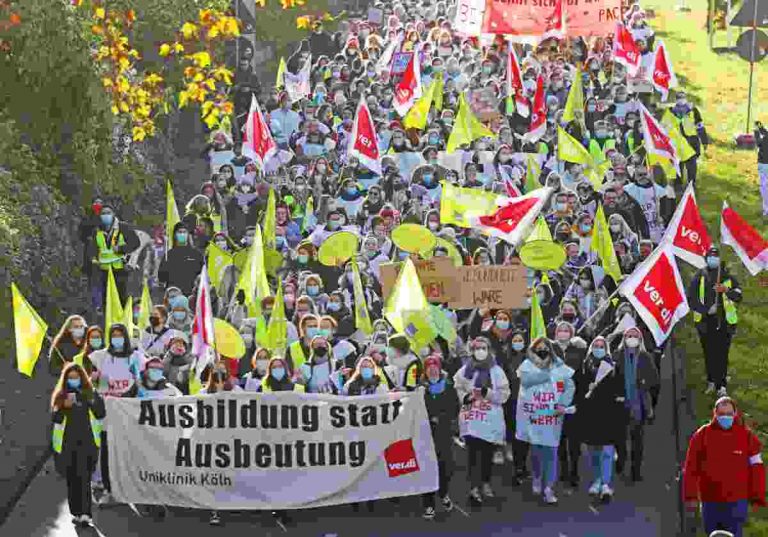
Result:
{"points": [[643, 510]]}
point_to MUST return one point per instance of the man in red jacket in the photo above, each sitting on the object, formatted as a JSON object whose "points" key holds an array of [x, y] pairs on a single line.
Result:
{"points": [[724, 470]]}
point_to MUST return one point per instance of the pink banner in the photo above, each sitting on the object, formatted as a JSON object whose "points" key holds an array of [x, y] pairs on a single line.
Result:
{"points": [[529, 17]]}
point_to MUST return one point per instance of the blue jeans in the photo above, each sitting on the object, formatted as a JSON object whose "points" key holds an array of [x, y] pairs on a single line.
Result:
{"points": [[729, 516], [544, 464], [601, 460]]}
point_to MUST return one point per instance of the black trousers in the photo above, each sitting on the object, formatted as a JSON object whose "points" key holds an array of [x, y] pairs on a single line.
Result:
{"points": [[519, 448], [655, 391], [104, 463], [479, 460], [78, 473], [444, 479], [716, 344], [569, 452], [635, 431], [520, 451]]}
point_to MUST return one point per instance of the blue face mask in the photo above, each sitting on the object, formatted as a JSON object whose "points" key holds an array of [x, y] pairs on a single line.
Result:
{"points": [[179, 315], [176, 301], [560, 207], [107, 219], [97, 343], [279, 241], [324, 332], [436, 386], [312, 331], [585, 228], [427, 178], [118, 343], [303, 259], [334, 224], [278, 373], [366, 373], [404, 255], [713, 262], [517, 346], [74, 384], [154, 374], [726, 422], [433, 140], [334, 306], [598, 352], [313, 290], [351, 190], [181, 238]]}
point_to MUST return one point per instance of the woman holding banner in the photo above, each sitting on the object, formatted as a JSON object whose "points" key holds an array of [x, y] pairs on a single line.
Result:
{"points": [[483, 388]]}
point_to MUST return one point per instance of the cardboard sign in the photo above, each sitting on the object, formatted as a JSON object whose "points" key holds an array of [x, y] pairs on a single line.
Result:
{"points": [[469, 17], [492, 286], [375, 15], [437, 277], [400, 61]]}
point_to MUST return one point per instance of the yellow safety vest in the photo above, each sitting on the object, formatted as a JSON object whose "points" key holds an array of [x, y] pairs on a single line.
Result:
{"points": [[267, 389], [297, 355], [687, 123], [731, 316], [57, 436], [596, 152], [216, 218], [107, 256]]}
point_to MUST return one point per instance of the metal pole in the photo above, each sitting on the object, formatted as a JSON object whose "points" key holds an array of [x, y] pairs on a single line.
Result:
{"points": [[751, 65], [676, 426], [728, 24]]}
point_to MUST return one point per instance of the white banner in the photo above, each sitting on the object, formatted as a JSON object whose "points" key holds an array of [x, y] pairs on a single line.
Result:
{"points": [[269, 451], [469, 17]]}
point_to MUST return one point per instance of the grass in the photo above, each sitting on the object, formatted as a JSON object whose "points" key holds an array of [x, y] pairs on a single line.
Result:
{"points": [[718, 83]]}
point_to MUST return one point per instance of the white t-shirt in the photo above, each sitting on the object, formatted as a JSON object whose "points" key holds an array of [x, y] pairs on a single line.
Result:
{"points": [[116, 374]]}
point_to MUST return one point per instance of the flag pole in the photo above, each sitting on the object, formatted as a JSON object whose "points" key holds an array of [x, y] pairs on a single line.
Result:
{"points": [[751, 65]]}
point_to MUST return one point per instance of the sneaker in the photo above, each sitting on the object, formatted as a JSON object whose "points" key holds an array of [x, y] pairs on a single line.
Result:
{"points": [[536, 486], [85, 521], [459, 441], [76, 520], [498, 457], [594, 488], [429, 513], [509, 454], [722, 392], [606, 493], [475, 496], [107, 499], [549, 496], [710, 388], [215, 520], [447, 504], [488, 491]]}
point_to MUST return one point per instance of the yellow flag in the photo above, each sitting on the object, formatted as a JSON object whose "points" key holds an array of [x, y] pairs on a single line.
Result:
{"points": [[171, 214], [407, 308], [602, 244], [128, 317], [217, 262], [532, 172], [458, 205], [570, 150], [540, 231], [113, 307], [270, 221], [277, 330], [309, 214], [253, 280], [362, 317], [466, 127], [538, 326], [29, 330], [417, 116], [684, 149], [439, 88], [575, 101], [145, 307], [281, 69]]}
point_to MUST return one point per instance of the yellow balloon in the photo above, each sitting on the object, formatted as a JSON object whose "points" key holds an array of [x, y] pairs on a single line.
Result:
{"points": [[228, 341], [414, 238], [337, 249]]}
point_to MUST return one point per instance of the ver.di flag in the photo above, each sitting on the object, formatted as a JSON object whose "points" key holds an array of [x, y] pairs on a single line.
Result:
{"points": [[145, 306], [419, 113], [458, 205], [258, 143], [656, 291], [512, 220], [277, 328], [656, 139], [663, 77], [363, 143], [203, 335], [745, 240], [270, 221], [687, 231], [625, 49], [515, 88], [29, 330], [282, 68], [538, 326], [408, 90], [538, 125], [575, 101]]}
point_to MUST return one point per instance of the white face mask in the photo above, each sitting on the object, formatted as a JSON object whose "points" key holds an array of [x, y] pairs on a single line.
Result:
{"points": [[481, 355], [632, 342]]}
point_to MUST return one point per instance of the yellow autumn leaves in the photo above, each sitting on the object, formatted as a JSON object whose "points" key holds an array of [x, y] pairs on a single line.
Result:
{"points": [[305, 22]]}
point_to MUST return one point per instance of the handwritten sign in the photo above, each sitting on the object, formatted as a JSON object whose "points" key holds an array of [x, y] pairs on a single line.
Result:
{"points": [[400, 62], [469, 17], [437, 276], [529, 17], [490, 287]]}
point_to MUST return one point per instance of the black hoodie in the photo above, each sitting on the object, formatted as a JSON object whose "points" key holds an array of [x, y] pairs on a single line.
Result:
{"points": [[182, 265]]}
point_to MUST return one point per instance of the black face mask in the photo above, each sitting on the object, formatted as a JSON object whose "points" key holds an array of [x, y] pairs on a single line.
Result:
{"points": [[321, 351], [542, 353]]}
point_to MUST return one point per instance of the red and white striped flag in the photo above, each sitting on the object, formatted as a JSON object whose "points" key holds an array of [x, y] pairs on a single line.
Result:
{"points": [[625, 49], [514, 217], [748, 244], [663, 77], [258, 143], [656, 139], [202, 326]]}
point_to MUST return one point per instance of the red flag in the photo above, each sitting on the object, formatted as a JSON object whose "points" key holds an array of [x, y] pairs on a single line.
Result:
{"points": [[748, 244], [363, 143], [687, 231], [258, 143], [202, 325], [514, 216], [408, 90], [538, 124], [656, 291], [656, 139], [515, 89], [555, 23], [625, 50], [663, 76]]}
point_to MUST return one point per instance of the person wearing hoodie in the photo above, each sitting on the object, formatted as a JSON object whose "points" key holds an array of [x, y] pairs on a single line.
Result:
{"points": [[442, 404], [569, 312], [572, 350], [183, 262], [155, 338], [407, 369], [181, 317], [178, 360], [366, 379], [67, 344], [515, 450], [242, 208], [317, 373], [350, 197], [483, 389], [583, 291], [636, 368], [600, 417], [724, 470], [546, 392]]}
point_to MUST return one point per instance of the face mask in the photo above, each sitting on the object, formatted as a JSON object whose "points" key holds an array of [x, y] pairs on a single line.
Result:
{"points": [[601, 134], [78, 333], [334, 306], [569, 316], [563, 336], [220, 244], [261, 366], [726, 422], [74, 384], [713, 262], [154, 374], [303, 258], [118, 343], [178, 351], [433, 140], [598, 352], [181, 238], [616, 228], [366, 373], [591, 108], [179, 315], [487, 69], [432, 225], [543, 354], [312, 331], [321, 351], [481, 355], [96, 343], [334, 224], [632, 342], [107, 219], [247, 339], [502, 325], [313, 290], [278, 373], [324, 332], [517, 346], [585, 284]]}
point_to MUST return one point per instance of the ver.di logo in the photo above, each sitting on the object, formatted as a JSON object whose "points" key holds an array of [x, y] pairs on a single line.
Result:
{"points": [[400, 458]]}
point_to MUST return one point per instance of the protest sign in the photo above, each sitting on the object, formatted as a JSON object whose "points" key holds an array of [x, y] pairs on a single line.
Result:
{"points": [[269, 451], [538, 423], [375, 16], [482, 419], [529, 17], [469, 17], [400, 61], [437, 277], [490, 286], [484, 103]]}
